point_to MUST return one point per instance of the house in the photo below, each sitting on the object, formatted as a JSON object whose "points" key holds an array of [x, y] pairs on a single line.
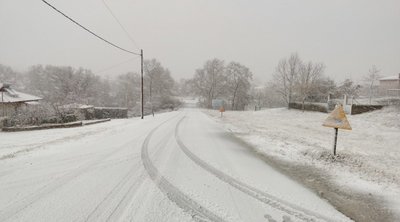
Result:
{"points": [[11, 100], [390, 86]]}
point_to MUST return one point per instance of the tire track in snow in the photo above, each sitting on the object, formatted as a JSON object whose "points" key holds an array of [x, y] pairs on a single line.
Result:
{"points": [[96, 213], [126, 187], [19, 205], [26, 148], [198, 212], [262, 196]]}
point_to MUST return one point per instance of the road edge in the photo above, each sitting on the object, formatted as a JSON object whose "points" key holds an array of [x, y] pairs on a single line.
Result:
{"points": [[356, 205]]}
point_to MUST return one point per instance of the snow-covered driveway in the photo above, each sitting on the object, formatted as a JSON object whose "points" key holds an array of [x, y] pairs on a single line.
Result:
{"points": [[178, 166]]}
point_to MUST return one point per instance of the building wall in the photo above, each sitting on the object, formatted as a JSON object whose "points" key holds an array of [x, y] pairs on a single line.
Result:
{"points": [[357, 109], [384, 85], [8, 109]]}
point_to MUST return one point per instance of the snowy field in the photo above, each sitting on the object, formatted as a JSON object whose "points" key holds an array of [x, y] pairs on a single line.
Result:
{"points": [[369, 155]]}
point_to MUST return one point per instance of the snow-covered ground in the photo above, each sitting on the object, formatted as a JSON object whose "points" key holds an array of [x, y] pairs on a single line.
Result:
{"points": [[369, 155], [16, 143], [177, 166], [90, 173]]}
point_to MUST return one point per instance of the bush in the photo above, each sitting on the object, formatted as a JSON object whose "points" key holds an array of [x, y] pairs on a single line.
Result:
{"points": [[29, 115], [37, 115], [110, 112], [168, 102]]}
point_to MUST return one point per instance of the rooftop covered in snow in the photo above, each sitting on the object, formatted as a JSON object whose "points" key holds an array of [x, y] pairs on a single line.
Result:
{"points": [[395, 77], [9, 95]]}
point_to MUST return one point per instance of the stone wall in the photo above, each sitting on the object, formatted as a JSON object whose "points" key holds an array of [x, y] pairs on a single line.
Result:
{"points": [[318, 107], [357, 109], [110, 112]]}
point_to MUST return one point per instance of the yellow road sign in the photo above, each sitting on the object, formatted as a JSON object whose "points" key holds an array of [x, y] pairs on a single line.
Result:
{"points": [[337, 119]]}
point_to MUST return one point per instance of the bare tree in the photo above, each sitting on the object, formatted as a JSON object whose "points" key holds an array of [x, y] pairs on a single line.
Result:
{"points": [[349, 88], [209, 81], [324, 87], [127, 89], [285, 76], [185, 87], [159, 83], [307, 79], [60, 86], [371, 78], [265, 96], [7, 75], [238, 84]]}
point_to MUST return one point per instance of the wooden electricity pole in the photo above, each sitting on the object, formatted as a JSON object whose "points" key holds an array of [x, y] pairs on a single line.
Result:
{"points": [[141, 72]]}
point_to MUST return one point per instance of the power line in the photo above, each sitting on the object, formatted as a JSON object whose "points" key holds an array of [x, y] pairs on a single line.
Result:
{"points": [[115, 65], [120, 24], [86, 29]]}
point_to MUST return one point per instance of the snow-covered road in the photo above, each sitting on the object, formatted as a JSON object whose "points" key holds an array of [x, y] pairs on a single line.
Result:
{"points": [[177, 166]]}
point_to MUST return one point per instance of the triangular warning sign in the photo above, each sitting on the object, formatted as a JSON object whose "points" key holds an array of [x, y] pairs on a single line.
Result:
{"points": [[337, 119]]}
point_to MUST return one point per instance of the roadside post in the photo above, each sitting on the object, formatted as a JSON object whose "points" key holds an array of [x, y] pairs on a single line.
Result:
{"points": [[337, 120], [221, 110]]}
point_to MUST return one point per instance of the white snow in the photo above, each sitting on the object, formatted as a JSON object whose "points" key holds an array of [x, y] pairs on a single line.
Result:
{"points": [[98, 173], [79, 174], [369, 155]]}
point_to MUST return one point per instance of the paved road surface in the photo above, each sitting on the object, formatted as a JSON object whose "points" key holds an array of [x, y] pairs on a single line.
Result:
{"points": [[177, 166]]}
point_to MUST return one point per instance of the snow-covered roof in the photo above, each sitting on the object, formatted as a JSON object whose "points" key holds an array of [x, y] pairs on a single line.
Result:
{"points": [[76, 106], [119, 108], [9, 95], [396, 77], [85, 107]]}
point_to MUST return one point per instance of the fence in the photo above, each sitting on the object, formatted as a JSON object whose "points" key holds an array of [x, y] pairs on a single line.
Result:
{"points": [[350, 106]]}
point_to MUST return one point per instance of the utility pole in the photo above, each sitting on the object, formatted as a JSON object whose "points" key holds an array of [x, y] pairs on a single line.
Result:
{"points": [[141, 72]]}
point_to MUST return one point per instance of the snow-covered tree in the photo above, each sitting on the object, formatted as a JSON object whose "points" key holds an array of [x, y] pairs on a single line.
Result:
{"points": [[285, 77], [349, 88], [158, 84], [127, 90], [7, 75], [238, 79], [371, 78], [60, 86], [307, 80], [185, 87], [209, 81]]}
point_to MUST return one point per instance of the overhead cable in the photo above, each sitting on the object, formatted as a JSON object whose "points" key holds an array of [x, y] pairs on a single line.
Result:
{"points": [[86, 29], [120, 24], [116, 65]]}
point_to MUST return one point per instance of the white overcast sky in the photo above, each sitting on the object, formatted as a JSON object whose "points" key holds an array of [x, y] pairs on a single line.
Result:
{"points": [[349, 36]]}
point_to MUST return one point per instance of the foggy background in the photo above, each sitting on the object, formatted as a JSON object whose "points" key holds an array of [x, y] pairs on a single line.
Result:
{"points": [[347, 36]]}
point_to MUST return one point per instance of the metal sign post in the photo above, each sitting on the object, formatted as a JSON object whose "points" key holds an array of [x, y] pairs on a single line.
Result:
{"points": [[337, 120], [335, 141], [222, 110], [141, 83]]}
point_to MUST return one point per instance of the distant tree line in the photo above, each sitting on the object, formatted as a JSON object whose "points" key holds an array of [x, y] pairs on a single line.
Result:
{"points": [[295, 80], [63, 85], [216, 80]]}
